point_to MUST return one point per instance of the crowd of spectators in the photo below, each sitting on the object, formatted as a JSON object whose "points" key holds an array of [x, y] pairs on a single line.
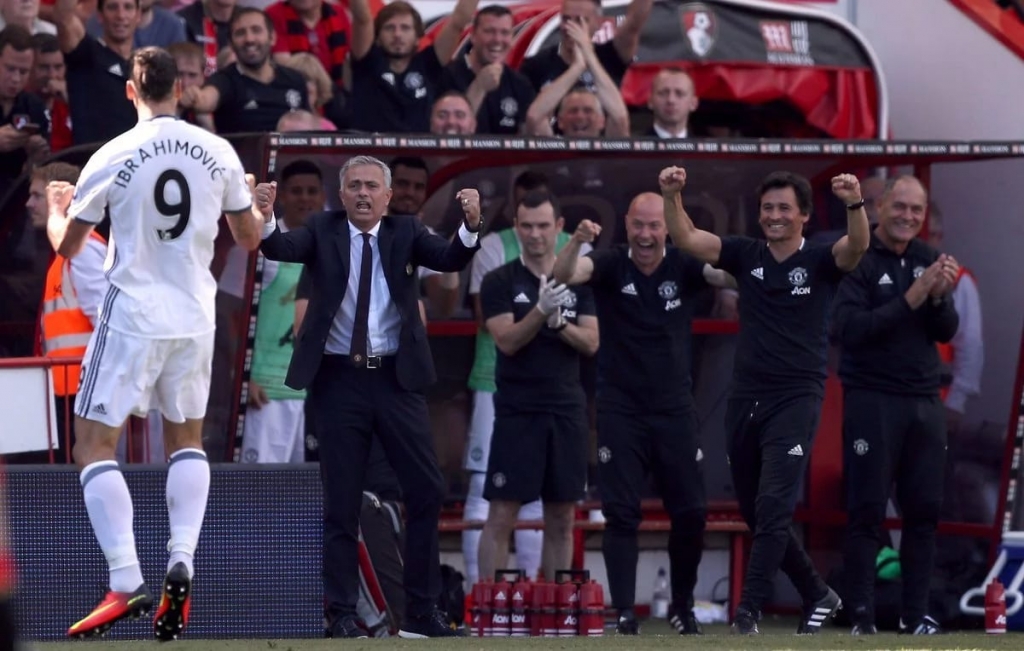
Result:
{"points": [[247, 65]]}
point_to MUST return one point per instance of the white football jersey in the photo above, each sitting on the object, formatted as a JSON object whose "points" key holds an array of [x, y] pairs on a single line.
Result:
{"points": [[165, 184]]}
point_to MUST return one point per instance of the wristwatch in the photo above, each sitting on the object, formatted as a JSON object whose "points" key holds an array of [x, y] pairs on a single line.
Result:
{"points": [[855, 206], [479, 226]]}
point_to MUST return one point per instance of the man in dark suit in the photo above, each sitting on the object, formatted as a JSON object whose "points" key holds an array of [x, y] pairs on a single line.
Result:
{"points": [[673, 98], [362, 353]]}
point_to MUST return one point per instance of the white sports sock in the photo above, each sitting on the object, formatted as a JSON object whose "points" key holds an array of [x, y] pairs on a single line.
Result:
{"points": [[471, 555], [529, 542], [110, 511], [188, 484], [476, 508]]}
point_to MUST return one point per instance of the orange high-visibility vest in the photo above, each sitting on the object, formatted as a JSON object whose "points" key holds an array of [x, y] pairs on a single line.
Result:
{"points": [[65, 328], [946, 351]]}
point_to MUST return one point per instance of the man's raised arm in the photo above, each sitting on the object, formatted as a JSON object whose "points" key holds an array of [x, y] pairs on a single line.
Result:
{"points": [[851, 247], [570, 268], [700, 244]]}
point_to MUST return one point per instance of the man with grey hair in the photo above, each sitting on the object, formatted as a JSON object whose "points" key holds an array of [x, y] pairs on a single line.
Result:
{"points": [[363, 355]]}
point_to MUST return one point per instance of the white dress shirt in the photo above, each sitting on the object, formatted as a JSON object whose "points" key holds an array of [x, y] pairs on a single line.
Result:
{"points": [[665, 133], [384, 322]]}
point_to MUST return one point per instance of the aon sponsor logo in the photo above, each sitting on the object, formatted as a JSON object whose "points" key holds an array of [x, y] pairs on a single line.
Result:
{"points": [[800, 291]]}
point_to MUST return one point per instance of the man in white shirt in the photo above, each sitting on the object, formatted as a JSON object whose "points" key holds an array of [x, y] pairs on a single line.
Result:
{"points": [[165, 185]]}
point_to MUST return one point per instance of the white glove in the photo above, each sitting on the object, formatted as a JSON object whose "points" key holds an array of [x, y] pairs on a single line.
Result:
{"points": [[551, 296], [556, 319]]}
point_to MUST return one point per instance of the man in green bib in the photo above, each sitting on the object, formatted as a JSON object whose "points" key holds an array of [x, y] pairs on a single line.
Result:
{"points": [[275, 422]]}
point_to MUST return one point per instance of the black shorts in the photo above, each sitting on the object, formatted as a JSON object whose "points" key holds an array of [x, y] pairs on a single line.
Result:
{"points": [[538, 455]]}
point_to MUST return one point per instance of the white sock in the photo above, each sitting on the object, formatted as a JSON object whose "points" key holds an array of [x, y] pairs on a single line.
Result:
{"points": [[475, 508], [188, 484], [110, 511], [529, 542], [471, 555]]}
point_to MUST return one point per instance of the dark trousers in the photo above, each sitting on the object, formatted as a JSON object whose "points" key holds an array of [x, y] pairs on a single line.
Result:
{"points": [[350, 405], [630, 447], [770, 441], [890, 438]]}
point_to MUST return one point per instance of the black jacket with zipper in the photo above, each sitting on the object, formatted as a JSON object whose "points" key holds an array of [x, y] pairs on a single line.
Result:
{"points": [[886, 345]]}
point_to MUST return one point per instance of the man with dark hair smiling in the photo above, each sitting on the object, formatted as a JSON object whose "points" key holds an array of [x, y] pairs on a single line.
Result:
{"points": [[253, 94], [498, 94], [786, 285]]}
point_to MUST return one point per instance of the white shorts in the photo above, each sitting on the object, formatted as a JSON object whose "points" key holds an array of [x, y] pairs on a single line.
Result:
{"points": [[123, 374], [481, 427], [275, 433]]}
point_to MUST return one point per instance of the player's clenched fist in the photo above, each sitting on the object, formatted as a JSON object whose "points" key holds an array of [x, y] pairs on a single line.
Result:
{"points": [[265, 194], [587, 232], [672, 180], [847, 188], [58, 195]]}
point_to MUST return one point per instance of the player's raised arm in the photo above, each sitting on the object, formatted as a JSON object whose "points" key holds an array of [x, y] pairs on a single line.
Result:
{"points": [[849, 249], [570, 268], [700, 244], [69, 234]]}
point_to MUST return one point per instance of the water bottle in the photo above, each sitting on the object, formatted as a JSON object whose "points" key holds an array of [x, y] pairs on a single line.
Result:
{"points": [[660, 602]]}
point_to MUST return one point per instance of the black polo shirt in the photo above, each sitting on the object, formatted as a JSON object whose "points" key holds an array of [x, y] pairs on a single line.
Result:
{"points": [[644, 359], [503, 110], [543, 375], [26, 109], [248, 105], [784, 308], [96, 77], [547, 66], [384, 101]]}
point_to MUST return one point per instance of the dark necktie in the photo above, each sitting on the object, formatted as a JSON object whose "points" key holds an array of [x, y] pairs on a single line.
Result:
{"points": [[361, 325]]}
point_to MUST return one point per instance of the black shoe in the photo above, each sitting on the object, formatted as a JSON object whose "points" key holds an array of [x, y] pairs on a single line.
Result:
{"points": [[627, 625], [685, 623], [433, 625], [349, 626], [819, 612], [744, 623], [925, 626], [862, 622], [175, 603]]}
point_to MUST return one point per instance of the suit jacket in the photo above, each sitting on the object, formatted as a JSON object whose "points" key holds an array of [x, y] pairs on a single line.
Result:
{"points": [[322, 244]]}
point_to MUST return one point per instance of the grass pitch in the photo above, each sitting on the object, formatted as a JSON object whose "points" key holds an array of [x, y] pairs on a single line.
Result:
{"points": [[777, 635]]}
